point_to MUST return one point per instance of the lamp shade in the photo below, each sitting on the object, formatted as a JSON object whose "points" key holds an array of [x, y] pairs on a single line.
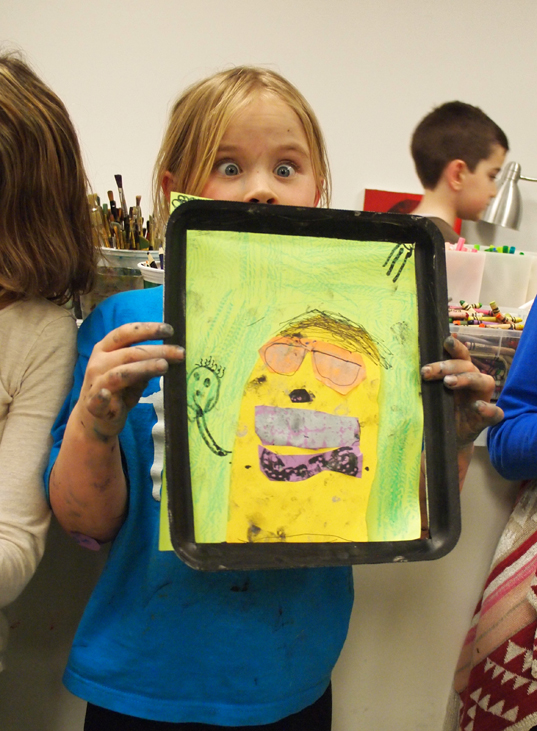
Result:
{"points": [[506, 208]]}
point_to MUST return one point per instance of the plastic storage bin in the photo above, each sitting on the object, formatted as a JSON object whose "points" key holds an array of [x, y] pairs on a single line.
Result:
{"points": [[506, 278], [491, 350], [464, 271]]}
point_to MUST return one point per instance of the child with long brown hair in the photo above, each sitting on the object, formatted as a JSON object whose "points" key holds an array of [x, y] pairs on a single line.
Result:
{"points": [[46, 256], [160, 645]]}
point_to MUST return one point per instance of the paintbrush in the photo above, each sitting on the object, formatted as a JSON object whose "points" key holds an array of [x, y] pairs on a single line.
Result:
{"points": [[113, 209], [138, 209], [119, 182]]}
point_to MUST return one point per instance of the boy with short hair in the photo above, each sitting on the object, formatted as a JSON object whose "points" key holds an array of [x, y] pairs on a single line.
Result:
{"points": [[458, 151]]}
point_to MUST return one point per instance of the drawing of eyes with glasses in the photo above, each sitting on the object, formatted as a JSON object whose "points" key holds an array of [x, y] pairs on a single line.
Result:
{"points": [[309, 423], [334, 366]]}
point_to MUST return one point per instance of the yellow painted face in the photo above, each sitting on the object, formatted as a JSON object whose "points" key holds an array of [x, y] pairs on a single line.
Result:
{"points": [[305, 452]]}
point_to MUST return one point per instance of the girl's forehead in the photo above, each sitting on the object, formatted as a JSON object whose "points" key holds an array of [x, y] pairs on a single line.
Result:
{"points": [[265, 101], [266, 112]]}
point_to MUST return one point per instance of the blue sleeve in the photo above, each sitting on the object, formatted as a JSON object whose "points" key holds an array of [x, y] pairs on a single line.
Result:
{"points": [[513, 442]]}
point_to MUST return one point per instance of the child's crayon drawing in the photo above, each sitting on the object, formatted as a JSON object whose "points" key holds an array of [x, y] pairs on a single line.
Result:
{"points": [[203, 390], [305, 414]]}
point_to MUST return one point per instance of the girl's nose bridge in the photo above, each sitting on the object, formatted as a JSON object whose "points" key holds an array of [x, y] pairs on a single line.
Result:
{"points": [[260, 187]]}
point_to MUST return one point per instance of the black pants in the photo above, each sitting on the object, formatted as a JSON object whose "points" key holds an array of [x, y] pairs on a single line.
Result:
{"points": [[317, 717]]}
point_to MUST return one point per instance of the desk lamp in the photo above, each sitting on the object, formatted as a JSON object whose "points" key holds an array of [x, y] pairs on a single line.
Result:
{"points": [[506, 208]]}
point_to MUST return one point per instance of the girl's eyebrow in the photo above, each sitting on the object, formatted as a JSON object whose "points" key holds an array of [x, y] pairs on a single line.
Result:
{"points": [[294, 148], [230, 149]]}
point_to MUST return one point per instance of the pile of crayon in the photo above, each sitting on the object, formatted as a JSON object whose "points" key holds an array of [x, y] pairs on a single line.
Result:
{"points": [[121, 227], [474, 315]]}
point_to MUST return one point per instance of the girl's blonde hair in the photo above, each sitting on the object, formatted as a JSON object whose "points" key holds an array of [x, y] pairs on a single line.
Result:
{"points": [[199, 119], [46, 244]]}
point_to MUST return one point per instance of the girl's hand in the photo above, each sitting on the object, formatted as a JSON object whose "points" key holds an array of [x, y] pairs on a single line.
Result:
{"points": [[473, 391], [117, 373]]}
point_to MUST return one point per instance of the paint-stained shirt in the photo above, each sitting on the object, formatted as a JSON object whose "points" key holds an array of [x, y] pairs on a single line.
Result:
{"points": [[162, 641]]}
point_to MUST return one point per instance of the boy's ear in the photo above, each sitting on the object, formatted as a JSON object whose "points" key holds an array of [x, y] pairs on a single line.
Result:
{"points": [[169, 185], [455, 173]]}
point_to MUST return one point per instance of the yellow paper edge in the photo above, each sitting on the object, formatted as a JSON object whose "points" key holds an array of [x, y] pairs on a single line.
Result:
{"points": [[165, 539]]}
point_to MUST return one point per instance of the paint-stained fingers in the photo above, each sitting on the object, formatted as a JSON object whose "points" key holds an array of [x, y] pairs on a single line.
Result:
{"points": [[101, 406], [130, 375], [475, 381], [443, 368], [136, 353], [451, 371], [473, 391], [134, 332], [472, 417], [112, 408], [112, 397], [456, 349], [101, 363], [460, 361], [490, 413]]}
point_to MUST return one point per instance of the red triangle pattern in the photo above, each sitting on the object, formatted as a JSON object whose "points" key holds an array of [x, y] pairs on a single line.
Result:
{"points": [[502, 691]]}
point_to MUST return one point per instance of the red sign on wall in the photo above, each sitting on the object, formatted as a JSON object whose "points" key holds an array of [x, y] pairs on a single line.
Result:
{"points": [[387, 201]]}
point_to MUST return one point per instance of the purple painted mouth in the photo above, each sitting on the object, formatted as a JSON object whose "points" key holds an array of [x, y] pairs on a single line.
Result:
{"points": [[305, 428], [297, 467]]}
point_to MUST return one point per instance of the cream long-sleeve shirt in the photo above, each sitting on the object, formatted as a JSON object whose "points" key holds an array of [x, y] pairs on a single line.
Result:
{"points": [[37, 356]]}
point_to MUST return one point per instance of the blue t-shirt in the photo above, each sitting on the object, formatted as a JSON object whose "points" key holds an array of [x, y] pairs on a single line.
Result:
{"points": [[513, 442], [162, 641]]}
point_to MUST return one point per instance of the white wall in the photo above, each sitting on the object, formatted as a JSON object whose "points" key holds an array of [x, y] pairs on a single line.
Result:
{"points": [[371, 69]]}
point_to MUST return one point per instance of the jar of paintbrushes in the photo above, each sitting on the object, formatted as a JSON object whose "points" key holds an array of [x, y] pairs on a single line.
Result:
{"points": [[124, 242]]}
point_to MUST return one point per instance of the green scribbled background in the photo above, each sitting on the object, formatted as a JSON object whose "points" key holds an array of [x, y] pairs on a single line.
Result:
{"points": [[241, 288]]}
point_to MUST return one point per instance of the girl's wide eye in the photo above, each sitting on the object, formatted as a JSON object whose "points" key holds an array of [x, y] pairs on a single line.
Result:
{"points": [[285, 170], [229, 169]]}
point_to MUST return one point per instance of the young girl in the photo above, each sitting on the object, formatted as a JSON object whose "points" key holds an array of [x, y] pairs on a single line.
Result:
{"points": [[46, 255], [160, 642]]}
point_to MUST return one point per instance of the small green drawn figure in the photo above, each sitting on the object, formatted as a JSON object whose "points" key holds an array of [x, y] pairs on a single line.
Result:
{"points": [[202, 391]]}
